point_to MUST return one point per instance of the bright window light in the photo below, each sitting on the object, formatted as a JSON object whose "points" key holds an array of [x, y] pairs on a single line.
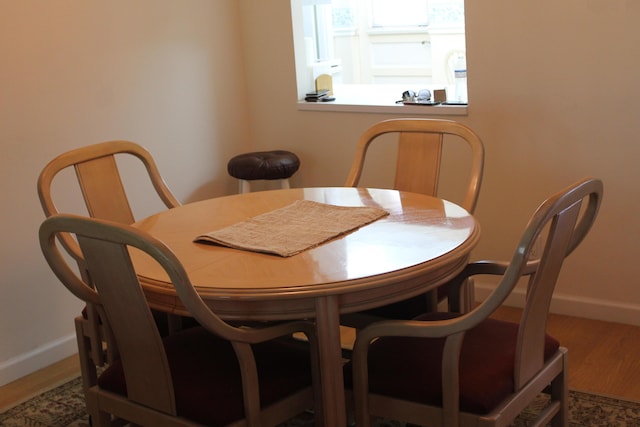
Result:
{"points": [[379, 46]]}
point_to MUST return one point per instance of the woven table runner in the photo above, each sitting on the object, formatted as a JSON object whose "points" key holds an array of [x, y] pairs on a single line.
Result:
{"points": [[292, 229]]}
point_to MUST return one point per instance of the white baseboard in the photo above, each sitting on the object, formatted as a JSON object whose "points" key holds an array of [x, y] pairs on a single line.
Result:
{"points": [[571, 305], [38, 358]]}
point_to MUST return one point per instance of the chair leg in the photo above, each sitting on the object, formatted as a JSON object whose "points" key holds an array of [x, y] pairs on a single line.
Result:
{"points": [[462, 299], [103, 419], [245, 186], [468, 299], [431, 301], [560, 392]]}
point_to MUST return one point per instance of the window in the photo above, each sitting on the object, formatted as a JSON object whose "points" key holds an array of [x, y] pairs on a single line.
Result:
{"points": [[386, 13], [377, 49]]}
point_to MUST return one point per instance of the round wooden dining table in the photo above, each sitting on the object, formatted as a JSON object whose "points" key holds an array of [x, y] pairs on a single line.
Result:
{"points": [[422, 243]]}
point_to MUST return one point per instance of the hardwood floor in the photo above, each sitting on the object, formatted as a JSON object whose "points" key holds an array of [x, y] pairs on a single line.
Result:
{"points": [[38, 382], [603, 359]]}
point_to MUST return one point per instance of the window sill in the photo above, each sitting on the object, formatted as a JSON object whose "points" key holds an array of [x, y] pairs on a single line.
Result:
{"points": [[377, 99], [337, 106]]}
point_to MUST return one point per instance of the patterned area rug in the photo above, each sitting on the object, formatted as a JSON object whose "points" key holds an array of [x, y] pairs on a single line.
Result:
{"points": [[64, 406]]}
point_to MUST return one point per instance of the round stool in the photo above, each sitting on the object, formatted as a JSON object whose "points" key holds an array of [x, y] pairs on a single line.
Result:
{"points": [[263, 165]]}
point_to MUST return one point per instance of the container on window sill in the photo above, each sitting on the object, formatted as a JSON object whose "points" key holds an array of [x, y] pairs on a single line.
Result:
{"points": [[460, 75]]}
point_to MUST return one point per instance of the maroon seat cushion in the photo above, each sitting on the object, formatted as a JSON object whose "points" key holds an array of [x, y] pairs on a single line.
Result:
{"points": [[206, 375], [410, 368], [277, 164]]}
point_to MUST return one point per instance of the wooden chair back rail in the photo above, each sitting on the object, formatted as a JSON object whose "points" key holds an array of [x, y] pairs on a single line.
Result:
{"points": [[100, 182], [419, 155]]}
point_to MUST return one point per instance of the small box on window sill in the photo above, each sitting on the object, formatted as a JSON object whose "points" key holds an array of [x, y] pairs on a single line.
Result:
{"points": [[440, 95]]}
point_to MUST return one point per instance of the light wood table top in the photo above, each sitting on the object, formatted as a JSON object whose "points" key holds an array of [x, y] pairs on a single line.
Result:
{"points": [[422, 243]]}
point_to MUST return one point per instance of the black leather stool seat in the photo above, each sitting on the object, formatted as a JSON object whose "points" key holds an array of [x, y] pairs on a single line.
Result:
{"points": [[269, 165]]}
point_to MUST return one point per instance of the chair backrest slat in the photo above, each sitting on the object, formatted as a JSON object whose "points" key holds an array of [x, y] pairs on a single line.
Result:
{"points": [[139, 343], [102, 189], [531, 335], [418, 163], [566, 221]]}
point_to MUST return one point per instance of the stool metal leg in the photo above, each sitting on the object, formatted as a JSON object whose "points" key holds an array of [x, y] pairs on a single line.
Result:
{"points": [[245, 186]]}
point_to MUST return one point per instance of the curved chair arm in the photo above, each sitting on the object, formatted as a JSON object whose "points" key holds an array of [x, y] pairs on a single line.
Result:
{"points": [[95, 151], [494, 268], [102, 156], [51, 251]]}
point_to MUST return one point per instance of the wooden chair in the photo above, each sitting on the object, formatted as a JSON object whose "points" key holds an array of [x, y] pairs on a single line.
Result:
{"points": [[452, 369], [214, 375], [104, 195], [418, 164]]}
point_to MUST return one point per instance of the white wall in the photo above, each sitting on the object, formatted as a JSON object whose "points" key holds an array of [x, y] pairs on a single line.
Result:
{"points": [[552, 88], [554, 96], [163, 73]]}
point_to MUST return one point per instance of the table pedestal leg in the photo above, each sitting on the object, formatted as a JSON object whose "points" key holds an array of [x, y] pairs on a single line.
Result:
{"points": [[330, 359]]}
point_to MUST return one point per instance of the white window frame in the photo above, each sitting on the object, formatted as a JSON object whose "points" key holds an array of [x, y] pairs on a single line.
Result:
{"points": [[420, 17], [376, 98]]}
